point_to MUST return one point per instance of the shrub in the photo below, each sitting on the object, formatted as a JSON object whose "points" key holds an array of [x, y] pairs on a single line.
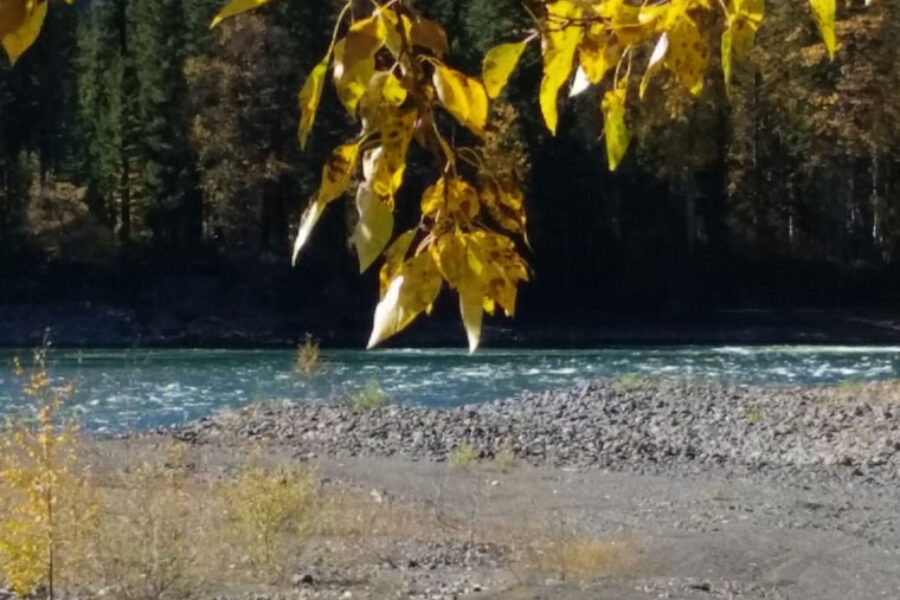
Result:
{"points": [[464, 456], [36, 457], [266, 506], [371, 397]]}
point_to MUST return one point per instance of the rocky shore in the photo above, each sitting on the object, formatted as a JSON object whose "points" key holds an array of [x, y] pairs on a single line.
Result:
{"points": [[630, 424]]}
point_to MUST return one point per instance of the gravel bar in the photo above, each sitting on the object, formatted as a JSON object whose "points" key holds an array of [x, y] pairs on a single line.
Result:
{"points": [[608, 424]]}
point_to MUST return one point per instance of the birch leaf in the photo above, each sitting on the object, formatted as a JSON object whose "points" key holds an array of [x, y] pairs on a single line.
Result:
{"points": [[336, 177], [20, 25], [310, 95], [560, 44], [687, 54], [409, 294], [656, 62], [470, 307], [236, 7], [617, 134], [374, 228], [499, 63], [823, 14]]}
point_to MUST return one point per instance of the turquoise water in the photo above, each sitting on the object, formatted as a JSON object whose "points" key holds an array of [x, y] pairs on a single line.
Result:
{"points": [[118, 390]]}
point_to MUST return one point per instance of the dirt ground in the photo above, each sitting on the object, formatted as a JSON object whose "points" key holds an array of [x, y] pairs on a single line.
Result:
{"points": [[697, 536], [682, 535]]}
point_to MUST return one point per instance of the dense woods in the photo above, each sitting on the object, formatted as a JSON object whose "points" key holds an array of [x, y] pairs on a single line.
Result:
{"points": [[135, 143]]}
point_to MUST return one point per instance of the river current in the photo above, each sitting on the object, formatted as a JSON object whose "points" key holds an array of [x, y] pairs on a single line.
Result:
{"points": [[118, 390]]}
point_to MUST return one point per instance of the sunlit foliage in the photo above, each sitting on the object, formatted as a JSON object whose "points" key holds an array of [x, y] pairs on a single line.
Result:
{"points": [[36, 457], [390, 68]]}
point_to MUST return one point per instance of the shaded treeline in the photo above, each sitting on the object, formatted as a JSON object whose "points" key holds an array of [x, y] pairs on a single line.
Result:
{"points": [[135, 143]]}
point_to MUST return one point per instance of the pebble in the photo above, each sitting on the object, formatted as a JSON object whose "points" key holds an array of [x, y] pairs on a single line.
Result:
{"points": [[647, 425]]}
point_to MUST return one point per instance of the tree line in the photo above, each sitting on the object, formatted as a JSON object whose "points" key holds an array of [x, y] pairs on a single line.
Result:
{"points": [[132, 133]]}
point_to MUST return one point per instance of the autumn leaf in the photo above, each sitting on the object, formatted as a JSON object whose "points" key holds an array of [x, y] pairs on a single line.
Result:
{"points": [[336, 176], [560, 43], [617, 134], [737, 39], [450, 196], [472, 312], [410, 292], [236, 7], [387, 167], [687, 54], [20, 25], [374, 228], [824, 14], [498, 65], [310, 95], [599, 52], [430, 35], [656, 62], [505, 204], [394, 257], [351, 80], [463, 97]]}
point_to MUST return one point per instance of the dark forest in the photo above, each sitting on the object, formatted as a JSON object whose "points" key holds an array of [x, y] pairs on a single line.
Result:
{"points": [[152, 182]]}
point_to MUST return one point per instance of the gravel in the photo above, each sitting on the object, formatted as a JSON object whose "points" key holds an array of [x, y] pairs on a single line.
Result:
{"points": [[642, 425]]}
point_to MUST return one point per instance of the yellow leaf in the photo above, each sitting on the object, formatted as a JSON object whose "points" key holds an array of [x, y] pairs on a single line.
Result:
{"points": [[389, 166], [727, 51], [824, 13], [337, 172], [505, 203], [410, 293], [308, 221], [375, 226], [656, 62], [236, 7], [599, 52], [310, 95], [498, 65], [394, 36], [470, 307], [430, 35], [336, 177], [351, 80], [394, 257], [463, 97], [20, 25], [737, 39], [617, 134], [450, 196], [364, 39], [383, 93], [560, 43], [687, 54]]}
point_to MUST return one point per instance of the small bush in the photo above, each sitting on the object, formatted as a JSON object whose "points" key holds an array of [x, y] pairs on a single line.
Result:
{"points": [[309, 358], [464, 456], [266, 506], [628, 382], [369, 398], [582, 559], [36, 458]]}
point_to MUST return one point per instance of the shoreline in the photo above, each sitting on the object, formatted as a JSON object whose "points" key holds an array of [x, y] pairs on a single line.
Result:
{"points": [[643, 425], [121, 327]]}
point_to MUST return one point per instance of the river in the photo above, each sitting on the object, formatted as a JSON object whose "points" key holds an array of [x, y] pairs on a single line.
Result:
{"points": [[118, 390]]}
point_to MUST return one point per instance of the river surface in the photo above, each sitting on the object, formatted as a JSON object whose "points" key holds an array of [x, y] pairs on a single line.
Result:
{"points": [[116, 390]]}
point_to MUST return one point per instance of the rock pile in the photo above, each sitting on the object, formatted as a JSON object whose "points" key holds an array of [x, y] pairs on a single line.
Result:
{"points": [[606, 424]]}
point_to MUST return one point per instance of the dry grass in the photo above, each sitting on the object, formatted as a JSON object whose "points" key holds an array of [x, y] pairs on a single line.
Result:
{"points": [[579, 558], [168, 521], [877, 392]]}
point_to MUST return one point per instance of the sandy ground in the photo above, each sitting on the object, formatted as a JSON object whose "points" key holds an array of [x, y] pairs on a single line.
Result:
{"points": [[698, 536], [689, 535]]}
